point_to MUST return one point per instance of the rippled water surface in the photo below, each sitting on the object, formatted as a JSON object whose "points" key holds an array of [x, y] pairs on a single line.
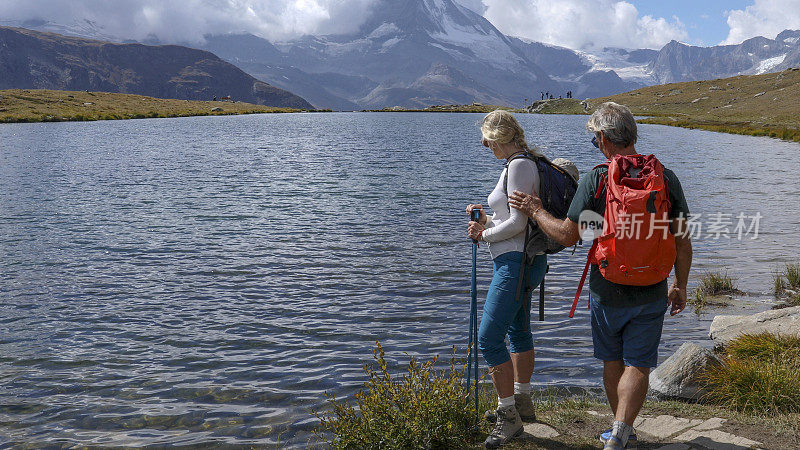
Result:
{"points": [[207, 280]]}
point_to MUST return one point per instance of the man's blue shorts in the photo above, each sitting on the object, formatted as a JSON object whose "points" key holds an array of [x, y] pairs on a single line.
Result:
{"points": [[628, 333]]}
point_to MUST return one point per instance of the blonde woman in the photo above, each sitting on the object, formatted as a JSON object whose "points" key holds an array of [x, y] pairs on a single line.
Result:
{"points": [[503, 313]]}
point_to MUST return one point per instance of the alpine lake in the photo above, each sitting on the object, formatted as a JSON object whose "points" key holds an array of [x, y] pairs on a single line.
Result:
{"points": [[205, 281]]}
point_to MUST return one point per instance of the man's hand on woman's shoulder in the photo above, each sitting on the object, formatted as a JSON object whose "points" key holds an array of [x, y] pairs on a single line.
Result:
{"points": [[529, 204]]}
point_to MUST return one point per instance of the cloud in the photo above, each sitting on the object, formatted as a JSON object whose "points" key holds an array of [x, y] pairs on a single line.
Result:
{"points": [[189, 20], [583, 24], [763, 18], [475, 5], [580, 24]]}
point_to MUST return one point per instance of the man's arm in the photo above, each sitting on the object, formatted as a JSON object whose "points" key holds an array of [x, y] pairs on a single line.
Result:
{"points": [[683, 262], [566, 232]]}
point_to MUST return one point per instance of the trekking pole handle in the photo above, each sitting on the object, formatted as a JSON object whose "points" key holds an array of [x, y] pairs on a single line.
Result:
{"points": [[475, 216]]}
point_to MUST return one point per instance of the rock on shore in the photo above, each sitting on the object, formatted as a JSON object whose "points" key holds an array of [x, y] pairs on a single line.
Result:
{"points": [[781, 322], [679, 376]]}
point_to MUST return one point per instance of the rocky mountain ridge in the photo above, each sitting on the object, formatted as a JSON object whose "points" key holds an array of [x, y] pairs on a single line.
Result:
{"points": [[36, 60]]}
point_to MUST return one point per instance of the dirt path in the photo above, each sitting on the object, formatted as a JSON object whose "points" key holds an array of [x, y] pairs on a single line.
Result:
{"points": [[662, 425]]}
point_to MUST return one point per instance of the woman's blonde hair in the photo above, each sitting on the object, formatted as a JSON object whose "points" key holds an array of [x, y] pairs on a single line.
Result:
{"points": [[502, 127]]}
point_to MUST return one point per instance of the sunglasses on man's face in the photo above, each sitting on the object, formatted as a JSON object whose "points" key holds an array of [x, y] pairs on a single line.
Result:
{"points": [[594, 142]]}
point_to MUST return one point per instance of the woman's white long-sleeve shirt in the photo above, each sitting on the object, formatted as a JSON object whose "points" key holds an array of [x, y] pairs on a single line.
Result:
{"points": [[505, 231]]}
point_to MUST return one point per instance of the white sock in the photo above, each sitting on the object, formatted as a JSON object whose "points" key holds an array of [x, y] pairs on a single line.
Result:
{"points": [[621, 431], [522, 388], [505, 402]]}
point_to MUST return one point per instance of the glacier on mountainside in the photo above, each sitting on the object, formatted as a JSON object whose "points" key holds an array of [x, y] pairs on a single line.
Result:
{"points": [[386, 29], [612, 60], [767, 64]]}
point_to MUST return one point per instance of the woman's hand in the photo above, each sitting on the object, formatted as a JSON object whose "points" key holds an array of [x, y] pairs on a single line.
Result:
{"points": [[529, 204], [475, 229], [482, 219]]}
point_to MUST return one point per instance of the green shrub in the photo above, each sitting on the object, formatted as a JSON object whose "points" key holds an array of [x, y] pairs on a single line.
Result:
{"points": [[716, 283], [699, 301], [780, 285], [792, 274], [712, 284], [764, 347], [423, 408], [788, 279], [759, 375]]}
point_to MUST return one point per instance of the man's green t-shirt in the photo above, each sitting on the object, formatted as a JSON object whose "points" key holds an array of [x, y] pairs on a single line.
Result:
{"points": [[602, 290]]}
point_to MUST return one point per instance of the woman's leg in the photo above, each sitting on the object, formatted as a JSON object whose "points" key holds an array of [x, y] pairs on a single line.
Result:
{"points": [[499, 310], [519, 334], [503, 379], [523, 366]]}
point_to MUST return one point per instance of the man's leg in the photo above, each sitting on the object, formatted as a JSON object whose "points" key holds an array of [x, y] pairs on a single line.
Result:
{"points": [[632, 390], [612, 372], [641, 336]]}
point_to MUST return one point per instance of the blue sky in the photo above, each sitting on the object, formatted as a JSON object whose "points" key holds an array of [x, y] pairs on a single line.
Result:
{"points": [[594, 24], [705, 20]]}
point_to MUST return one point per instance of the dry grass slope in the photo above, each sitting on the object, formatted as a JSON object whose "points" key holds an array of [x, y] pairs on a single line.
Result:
{"points": [[35, 105], [760, 105]]}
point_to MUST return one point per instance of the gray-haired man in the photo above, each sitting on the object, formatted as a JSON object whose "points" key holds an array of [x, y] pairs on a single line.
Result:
{"points": [[626, 320]]}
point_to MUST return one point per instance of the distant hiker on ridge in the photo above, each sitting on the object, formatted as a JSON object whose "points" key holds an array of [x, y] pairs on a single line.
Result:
{"points": [[629, 268]]}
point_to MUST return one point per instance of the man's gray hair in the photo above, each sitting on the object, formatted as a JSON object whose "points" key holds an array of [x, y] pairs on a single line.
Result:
{"points": [[616, 122]]}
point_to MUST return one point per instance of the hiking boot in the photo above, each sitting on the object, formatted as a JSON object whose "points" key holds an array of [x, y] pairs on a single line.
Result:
{"points": [[613, 444], [507, 427], [524, 406], [632, 441]]}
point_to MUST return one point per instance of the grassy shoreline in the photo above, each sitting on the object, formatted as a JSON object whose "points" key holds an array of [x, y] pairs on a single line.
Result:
{"points": [[44, 105], [423, 407], [755, 105], [473, 108]]}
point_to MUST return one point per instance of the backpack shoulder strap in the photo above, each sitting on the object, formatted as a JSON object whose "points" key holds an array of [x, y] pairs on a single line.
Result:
{"points": [[603, 180], [525, 155]]}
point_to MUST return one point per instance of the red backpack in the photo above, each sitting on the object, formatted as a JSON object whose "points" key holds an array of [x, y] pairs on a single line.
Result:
{"points": [[636, 246]]}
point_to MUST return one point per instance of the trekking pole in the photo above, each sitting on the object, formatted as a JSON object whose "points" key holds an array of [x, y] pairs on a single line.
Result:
{"points": [[469, 343], [472, 361]]}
